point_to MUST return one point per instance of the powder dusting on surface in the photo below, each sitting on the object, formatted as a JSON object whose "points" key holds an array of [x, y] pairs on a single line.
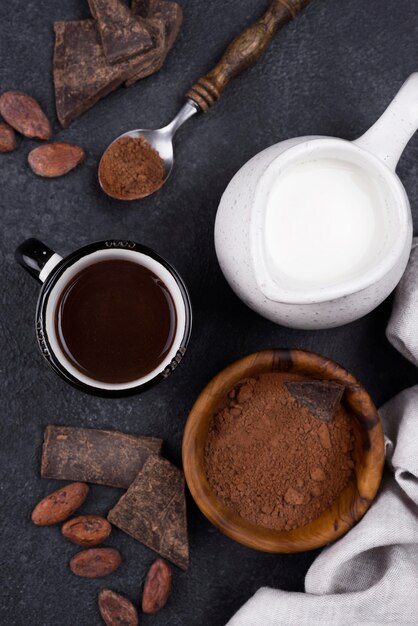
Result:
{"points": [[272, 461]]}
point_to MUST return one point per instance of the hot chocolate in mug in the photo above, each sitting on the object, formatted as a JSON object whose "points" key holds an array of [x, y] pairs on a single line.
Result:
{"points": [[315, 232], [112, 318]]}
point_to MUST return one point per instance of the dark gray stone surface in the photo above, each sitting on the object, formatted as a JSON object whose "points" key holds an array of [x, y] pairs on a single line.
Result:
{"points": [[332, 72]]}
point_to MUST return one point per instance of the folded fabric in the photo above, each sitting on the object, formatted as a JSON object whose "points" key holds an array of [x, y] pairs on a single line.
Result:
{"points": [[370, 576], [401, 330]]}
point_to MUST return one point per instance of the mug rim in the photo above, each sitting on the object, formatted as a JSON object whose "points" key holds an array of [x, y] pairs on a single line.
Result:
{"points": [[51, 281], [317, 295]]}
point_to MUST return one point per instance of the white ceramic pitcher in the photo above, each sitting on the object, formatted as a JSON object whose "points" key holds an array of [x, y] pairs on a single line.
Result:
{"points": [[240, 223]]}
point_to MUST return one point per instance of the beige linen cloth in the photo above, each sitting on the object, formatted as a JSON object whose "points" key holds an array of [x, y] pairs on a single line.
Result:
{"points": [[370, 576]]}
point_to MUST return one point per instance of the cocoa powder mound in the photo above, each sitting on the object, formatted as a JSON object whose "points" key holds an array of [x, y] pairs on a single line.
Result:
{"points": [[271, 460], [131, 168]]}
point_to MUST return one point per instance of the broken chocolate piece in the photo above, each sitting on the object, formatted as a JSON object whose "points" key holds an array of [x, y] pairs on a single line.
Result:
{"points": [[97, 456], [320, 397], [153, 511], [82, 74], [123, 35], [168, 13], [154, 58]]}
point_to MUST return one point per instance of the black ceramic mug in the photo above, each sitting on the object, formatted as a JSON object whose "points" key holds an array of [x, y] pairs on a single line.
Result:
{"points": [[56, 275]]}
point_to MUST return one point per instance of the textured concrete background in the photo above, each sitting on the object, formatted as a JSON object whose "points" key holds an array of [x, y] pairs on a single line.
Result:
{"points": [[332, 72]]}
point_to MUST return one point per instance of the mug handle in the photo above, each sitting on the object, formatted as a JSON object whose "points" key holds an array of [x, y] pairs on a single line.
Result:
{"points": [[388, 137], [37, 259]]}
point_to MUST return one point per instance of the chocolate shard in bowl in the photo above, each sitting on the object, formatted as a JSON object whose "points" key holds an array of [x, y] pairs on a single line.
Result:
{"points": [[153, 511], [91, 455], [321, 397], [169, 14], [122, 34], [82, 75]]}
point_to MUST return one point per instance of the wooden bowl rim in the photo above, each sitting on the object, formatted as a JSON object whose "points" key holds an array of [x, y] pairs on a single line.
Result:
{"points": [[323, 530]]}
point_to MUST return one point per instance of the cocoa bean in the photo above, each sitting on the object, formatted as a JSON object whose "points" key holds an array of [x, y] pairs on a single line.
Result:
{"points": [[157, 587], [55, 159], [116, 610], [7, 138], [95, 562], [25, 115], [60, 504], [87, 530]]}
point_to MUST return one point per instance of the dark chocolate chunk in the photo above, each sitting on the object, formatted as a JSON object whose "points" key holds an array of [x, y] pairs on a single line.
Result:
{"points": [[168, 13], [154, 58], [97, 456], [82, 74], [123, 35], [320, 397], [153, 511]]}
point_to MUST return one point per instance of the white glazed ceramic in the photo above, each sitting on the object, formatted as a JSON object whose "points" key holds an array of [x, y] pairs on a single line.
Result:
{"points": [[240, 219]]}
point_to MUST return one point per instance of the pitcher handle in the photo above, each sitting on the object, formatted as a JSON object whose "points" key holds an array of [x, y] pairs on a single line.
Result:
{"points": [[388, 137]]}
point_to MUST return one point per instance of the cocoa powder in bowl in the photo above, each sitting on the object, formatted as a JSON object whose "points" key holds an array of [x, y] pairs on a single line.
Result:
{"points": [[270, 459], [131, 169]]}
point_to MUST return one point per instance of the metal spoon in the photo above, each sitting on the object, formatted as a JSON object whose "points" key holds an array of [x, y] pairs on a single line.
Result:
{"points": [[243, 52], [160, 139]]}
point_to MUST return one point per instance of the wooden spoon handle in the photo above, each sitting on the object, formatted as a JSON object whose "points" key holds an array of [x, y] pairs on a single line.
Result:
{"points": [[243, 52]]}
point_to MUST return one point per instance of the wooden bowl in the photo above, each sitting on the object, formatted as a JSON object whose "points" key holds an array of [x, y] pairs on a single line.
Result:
{"points": [[368, 453]]}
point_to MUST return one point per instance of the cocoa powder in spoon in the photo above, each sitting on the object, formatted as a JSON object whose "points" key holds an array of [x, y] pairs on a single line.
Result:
{"points": [[273, 461], [131, 168]]}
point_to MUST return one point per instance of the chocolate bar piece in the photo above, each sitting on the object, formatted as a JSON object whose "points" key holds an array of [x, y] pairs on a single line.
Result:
{"points": [[170, 14], [123, 35], [154, 58], [153, 510], [320, 397], [97, 456], [82, 74]]}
